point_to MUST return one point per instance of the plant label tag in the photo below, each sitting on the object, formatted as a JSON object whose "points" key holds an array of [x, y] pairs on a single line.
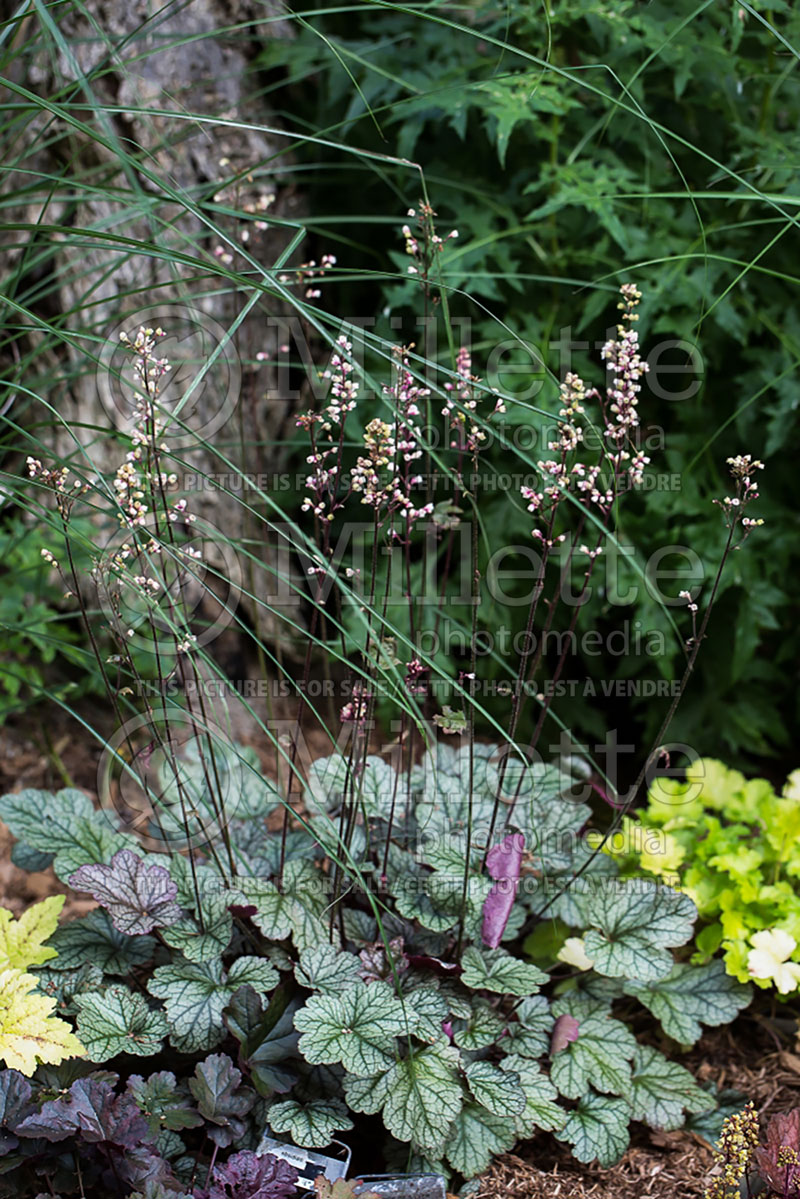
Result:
{"points": [[309, 1165], [403, 1186]]}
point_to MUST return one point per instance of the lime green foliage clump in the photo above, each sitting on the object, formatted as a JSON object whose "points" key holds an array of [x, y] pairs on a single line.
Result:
{"points": [[733, 845], [29, 1033]]}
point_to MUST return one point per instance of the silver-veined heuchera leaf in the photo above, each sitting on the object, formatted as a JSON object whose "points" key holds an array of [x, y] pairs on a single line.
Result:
{"points": [[326, 968], [662, 1091], [93, 938], [476, 1137], [690, 996], [496, 970], [633, 927], [312, 1125], [530, 1036], [541, 1110], [137, 897], [197, 993], [597, 1129], [65, 824], [499, 1091], [119, 1021], [601, 1054], [330, 782], [483, 1027], [357, 1028], [427, 1010], [423, 1096]]}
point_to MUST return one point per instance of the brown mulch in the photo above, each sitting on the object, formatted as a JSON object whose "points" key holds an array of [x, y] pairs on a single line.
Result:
{"points": [[658, 1165]]}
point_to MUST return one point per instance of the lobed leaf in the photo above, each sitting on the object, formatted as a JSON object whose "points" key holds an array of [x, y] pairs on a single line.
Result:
{"points": [[22, 941], [221, 1098], [423, 1096], [632, 927], [29, 1032], [600, 1054], [118, 1020], [357, 1028], [496, 1089], [662, 1091], [137, 897], [496, 970], [311, 1125], [597, 1129], [690, 996]]}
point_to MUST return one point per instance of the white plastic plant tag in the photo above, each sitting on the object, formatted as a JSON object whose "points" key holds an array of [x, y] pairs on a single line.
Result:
{"points": [[309, 1165]]}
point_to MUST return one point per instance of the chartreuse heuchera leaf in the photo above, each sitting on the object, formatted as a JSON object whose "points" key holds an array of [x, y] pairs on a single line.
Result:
{"points": [[22, 941], [29, 1032], [730, 843]]}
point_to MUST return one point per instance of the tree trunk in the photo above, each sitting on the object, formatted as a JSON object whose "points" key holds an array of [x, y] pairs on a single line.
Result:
{"points": [[117, 190]]}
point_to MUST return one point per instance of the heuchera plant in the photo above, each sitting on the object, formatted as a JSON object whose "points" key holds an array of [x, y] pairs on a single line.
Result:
{"points": [[366, 1008], [363, 961], [732, 845]]}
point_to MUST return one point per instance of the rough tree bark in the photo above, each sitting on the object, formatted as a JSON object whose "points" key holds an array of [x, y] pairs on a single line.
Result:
{"points": [[178, 61]]}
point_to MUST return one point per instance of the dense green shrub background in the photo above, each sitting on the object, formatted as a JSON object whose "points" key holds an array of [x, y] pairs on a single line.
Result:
{"points": [[576, 145]]}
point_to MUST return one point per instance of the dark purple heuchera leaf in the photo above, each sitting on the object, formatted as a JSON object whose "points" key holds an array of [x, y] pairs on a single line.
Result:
{"points": [[138, 898], [91, 1110], [504, 862], [778, 1160], [247, 1176], [15, 1105], [565, 1030], [144, 1169], [221, 1098]]}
